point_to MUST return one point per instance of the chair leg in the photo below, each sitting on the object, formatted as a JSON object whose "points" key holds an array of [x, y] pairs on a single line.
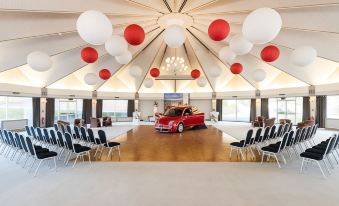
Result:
{"points": [[241, 154], [327, 168], [25, 161], [29, 170], [276, 158], [262, 157], [302, 165], [283, 158], [76, 160], [231, 153], [335, 158], [109, 153], [55, 166], [36, 170], [119, 153], [89, 157], [322, 172]]}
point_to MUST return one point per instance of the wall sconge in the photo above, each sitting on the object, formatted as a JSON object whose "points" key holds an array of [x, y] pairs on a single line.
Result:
{"points": [[94, 101], [312, 99], [43, 100]]}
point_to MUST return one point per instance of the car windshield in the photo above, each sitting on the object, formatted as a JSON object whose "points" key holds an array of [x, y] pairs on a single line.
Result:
{"points": [[173, 112]]}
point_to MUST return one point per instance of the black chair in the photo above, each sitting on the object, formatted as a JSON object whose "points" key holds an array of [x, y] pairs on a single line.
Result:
{"points": [[62, 145], [84, 136], [94, 141], [256, 138], [265, 136], [318, 155], [28, 130], [4, 143], [56, 127], [239, 146], [110, 145], [40, 136], [63, 129], [76, 149], [40, 155], [77, 135], [279, 131], [20, 148], [14, 144], [272, 133], [275, 149]]}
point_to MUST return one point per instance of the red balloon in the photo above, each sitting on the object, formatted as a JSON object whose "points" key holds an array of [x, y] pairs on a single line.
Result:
{"points": [[134, 34], [270, 53], [236, 68], [104, 74], [155, 72], [195, 73], [218, 30], [89, 54]]}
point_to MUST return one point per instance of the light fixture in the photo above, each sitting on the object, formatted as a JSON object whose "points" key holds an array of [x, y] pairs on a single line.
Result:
{"points": [[174, 64]]}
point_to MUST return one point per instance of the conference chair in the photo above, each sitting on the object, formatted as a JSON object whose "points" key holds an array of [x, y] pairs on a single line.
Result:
{"points": [[239, 146], [109, 145], [94, 141], [84, 136], [76, 149], [275, 149], [256, 138], [55, 125], [28, 130]]}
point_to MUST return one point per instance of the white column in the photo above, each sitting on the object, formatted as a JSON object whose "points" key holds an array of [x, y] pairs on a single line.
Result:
{"points": [[94, 103], [312, 106], [258, 106], [43, 102]]}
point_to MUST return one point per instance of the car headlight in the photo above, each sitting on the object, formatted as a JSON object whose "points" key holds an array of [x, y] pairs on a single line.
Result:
{"points": [[170, 123]]}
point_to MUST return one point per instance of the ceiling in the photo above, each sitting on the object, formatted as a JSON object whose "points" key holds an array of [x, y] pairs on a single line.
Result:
{"points": [[49, 26]]}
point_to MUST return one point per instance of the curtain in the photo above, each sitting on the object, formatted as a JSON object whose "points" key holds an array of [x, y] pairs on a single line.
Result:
{"points": [[219, 109], [320, 115], [306, 108], [130, 108], [264, 108], [253, 110], [36, 111], [87, 110], [50, 110], [99, 108]]}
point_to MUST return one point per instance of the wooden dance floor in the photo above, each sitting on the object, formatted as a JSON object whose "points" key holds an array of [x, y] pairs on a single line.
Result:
{"points": [[143, 143]]}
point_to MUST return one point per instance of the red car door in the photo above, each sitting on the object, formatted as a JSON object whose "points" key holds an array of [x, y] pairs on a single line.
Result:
{"points": [[188, 117]]}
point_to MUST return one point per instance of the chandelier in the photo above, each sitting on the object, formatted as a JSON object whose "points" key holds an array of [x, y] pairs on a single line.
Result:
{"points": [[175, 65]]}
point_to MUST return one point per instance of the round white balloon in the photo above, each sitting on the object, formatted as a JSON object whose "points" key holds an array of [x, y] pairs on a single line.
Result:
{"points": [[135, 71], [94, 27], [202, 81], [124, 58], [91, 79], [174, 36], [240, 45], [262, 25], [215, 72], [39, 61], [303, 56], [259, 75], [148, 83], [227, 55], [116, 45]]}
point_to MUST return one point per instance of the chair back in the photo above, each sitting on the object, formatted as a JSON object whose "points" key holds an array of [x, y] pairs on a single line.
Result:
{"points": [[53, 137], [11, 137], [308, 133], [290, 138], [258, 134], [83, 134], [46, 135], [283, 142], [2, 138], [55, 125], [297, 136], [61, 139], [279, 132], [33, 133], [91, 135], [17, 140], [68, 140], [7, 137], [102, 136], [23, 143], [248, 137], [272, 132], [266, 132], [290, 126], [28, 131], [316, 128], [330, 145], [40, 136], [77, 132], [63, 129], [302, 135], [30, 146], [69, 129]]}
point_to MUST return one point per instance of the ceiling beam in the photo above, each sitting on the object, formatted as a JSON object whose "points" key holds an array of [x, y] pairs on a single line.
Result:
{"points": [[202, 5], [167, 5], [182, 6], [144, 6], [136, 56], [216, 56]]}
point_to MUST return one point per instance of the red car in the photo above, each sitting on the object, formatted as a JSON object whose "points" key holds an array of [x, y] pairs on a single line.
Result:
{"points": [[176, 119]]}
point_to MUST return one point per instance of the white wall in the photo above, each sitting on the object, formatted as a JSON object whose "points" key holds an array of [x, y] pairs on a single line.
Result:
{"points": [[146, 108], [332, 123], [204, 105]]}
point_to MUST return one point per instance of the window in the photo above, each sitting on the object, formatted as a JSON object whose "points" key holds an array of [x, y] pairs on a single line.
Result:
{"points": [[286, 108], [68, 110], [333, 107], [236, 110], [114, 108], [16, 108]]}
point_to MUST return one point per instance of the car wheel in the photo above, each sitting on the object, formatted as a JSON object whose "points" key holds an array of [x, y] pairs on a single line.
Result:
{"points": [[180, 127]]}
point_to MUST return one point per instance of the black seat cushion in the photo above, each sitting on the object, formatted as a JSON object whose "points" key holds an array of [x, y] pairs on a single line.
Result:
{"points": [[41, 150], [318, 151], [111, 144], [81, 149], [45, 155], [37, 147], [311, 155], [273, 149]]}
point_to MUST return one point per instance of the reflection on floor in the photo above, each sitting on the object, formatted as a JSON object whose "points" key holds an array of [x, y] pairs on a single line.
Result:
{"points": [[143, 143]]}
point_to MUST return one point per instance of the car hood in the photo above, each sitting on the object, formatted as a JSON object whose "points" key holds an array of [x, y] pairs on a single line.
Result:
{"points": [[166, 119]]}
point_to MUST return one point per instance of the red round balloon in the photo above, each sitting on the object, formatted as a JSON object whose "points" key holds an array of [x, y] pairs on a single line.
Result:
{"points": [[104, 74], [195, 73], [236, 68], [89, 54], [155, 72], [218, 30], [270, 53], [134, 34]]}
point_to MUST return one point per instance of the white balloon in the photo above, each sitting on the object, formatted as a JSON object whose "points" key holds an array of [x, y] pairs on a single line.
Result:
{"points": [[303, 56], [39, 61], [94, 27], [148, 83], [124, 58], [135, 71], [259, 75], [202, 81], [262, 25], [116, 45], [174, 36], [227, 55], [240, 45], [91, 79], [215, 72]]}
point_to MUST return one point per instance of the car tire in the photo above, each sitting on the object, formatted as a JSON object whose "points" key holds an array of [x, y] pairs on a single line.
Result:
{"points": [[180, 127]]}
